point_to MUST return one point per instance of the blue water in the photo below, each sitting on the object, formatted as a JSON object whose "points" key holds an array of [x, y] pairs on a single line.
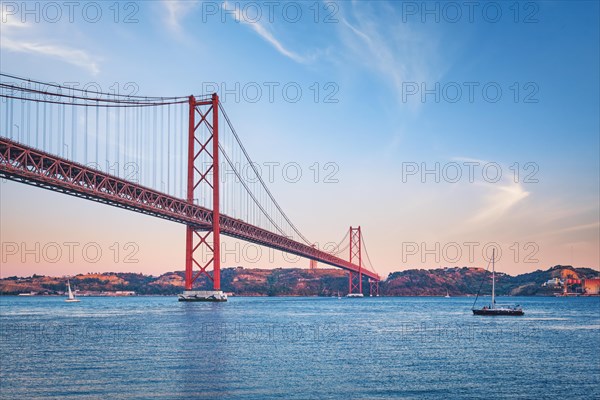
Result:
{"points": [[305, 348]]}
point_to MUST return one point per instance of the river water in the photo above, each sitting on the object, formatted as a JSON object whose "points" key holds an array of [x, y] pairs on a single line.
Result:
{"points": [[304, 348]]}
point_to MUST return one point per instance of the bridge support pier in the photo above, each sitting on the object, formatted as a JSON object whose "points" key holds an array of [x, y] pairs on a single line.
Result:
{"points": [[203, 172], [373, 288], [313, 263]]}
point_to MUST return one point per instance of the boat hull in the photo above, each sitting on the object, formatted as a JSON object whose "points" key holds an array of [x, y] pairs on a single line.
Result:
{"points": [[355, 295], [203, 295], [492, 312]]}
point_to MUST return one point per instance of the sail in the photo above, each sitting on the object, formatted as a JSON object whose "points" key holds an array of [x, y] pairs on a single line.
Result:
{"points": [[71, 297]]}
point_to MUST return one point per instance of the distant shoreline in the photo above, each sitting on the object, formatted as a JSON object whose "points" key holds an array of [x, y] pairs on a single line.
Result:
{"points": [[300, 296], [297, 282]]}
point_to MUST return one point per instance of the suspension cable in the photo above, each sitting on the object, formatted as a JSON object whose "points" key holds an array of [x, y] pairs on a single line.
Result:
{"points": [[367, 254], [248, 190], [149, 98], [20, 93], [260, 178]]}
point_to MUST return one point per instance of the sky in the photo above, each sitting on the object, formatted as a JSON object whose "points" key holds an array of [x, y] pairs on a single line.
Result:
{"points": [[442, 129]]}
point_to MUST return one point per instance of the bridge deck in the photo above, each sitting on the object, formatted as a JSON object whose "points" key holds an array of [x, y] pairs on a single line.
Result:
{"points": [[25, 164]]}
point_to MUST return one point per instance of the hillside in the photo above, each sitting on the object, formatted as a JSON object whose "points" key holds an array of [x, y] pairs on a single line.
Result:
{"points": [[303, 282], [465, 281], [241, 281]]}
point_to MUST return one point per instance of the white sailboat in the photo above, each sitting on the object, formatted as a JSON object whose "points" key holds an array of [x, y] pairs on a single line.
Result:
{"points": [[447, 294], [71, 298]]}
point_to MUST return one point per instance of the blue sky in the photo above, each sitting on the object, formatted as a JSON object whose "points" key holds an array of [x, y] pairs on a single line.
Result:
{"points": [[371, 54]]}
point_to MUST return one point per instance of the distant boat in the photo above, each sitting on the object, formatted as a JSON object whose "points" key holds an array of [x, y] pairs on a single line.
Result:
{"points": [[355, 295], [447, 294], [492, 309], [71, 298], [203, 295], [338, 296]]}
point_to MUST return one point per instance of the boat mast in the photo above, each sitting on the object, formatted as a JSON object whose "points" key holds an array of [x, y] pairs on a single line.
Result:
{"points": [[493, 280]]}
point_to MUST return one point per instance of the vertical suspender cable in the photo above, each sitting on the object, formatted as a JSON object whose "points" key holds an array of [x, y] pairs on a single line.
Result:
{"points": [[107, 138], [97, 158], [161, 141], [139, 144], [73, 129], [37, 124], [154, 150], [117, 141], [125, 143], [169, 149], [8, 131], [44, 126], [8, 123], [85, 137], [64, 129], [182, 151]]}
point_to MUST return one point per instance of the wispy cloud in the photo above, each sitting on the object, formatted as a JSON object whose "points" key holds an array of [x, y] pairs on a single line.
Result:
{"points": [[72, 56], [176, 11], [265, 34], [9, 21], [574, 228], [498, 197], [16, 36], [396, 52]]}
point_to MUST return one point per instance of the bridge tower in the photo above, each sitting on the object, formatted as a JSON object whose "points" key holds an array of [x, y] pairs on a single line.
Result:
{"points": [[313, 263], [203, 173], [373, 287], [355, 278]]}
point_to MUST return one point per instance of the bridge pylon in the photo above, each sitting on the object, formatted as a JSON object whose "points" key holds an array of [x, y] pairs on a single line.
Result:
{"points": [[355, 278], [373, 288], [203, 174], [313, 263]]}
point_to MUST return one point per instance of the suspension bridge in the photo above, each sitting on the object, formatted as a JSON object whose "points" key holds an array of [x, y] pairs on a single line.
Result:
{"points": [[164, 157]]}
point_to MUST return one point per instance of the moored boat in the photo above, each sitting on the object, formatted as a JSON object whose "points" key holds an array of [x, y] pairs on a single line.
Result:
{"points": [[499, 311], [492, 309], [203, 295], [355, 295]]}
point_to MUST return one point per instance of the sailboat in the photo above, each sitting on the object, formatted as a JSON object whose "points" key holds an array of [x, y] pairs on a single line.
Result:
{"points": [[447, 294], [71, 298], [492, 309]]}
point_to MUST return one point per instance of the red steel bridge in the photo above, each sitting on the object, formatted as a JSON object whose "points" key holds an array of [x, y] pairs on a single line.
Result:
{"points": [[176, 158]]}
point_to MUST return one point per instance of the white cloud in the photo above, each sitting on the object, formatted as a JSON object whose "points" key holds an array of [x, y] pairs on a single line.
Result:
{"points": [[9, 21], [499, 196], [575, 228], [18, 40], [498, 200], [176, 11], [264, 33], [395, 51], [72, 56]]}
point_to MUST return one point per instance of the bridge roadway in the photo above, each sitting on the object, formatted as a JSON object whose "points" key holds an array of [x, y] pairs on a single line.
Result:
{"points": [[25, 164]]}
